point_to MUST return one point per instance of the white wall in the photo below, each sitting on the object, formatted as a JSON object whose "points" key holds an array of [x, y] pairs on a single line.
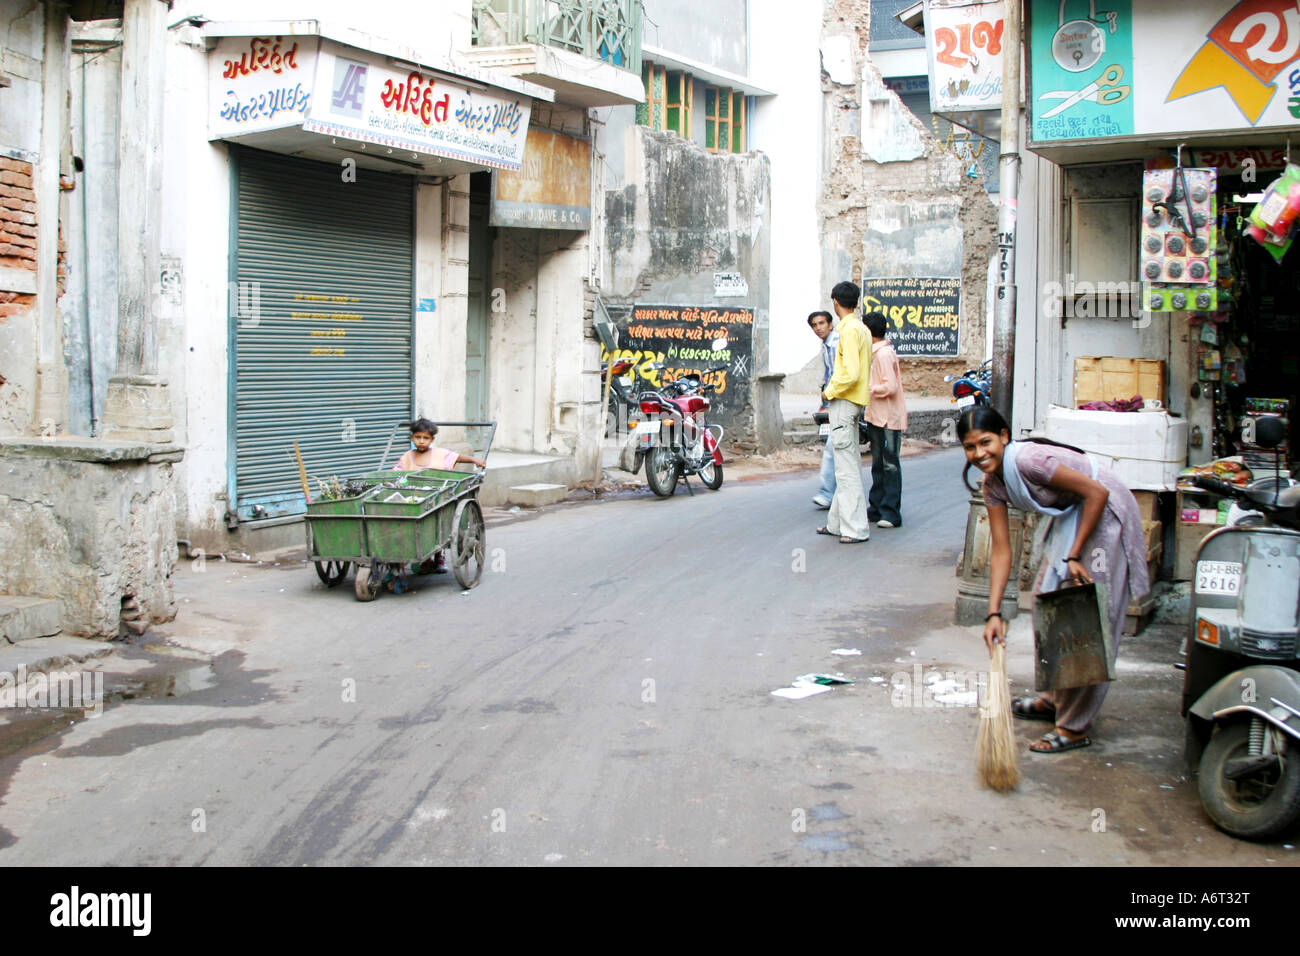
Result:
{"points": [[784, 58], [436, 26]]}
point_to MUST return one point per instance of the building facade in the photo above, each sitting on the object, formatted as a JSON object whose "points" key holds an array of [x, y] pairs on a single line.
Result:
{"points": [[251, 237]]}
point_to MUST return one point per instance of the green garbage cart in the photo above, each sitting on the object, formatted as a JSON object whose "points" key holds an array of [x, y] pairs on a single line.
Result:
{"points": [[392, 519]]}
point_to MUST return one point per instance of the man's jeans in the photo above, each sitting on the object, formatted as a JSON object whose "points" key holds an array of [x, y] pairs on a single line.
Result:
{"points": [[886, 499], [827, 491]]}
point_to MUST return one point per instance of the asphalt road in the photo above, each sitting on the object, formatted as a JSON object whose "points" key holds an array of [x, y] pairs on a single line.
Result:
{"points": [[604, 697]]}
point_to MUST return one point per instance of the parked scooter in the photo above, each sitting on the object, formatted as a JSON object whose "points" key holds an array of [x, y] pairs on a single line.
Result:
{"points": [[1241, 689], [675, 437], [973, 386]]}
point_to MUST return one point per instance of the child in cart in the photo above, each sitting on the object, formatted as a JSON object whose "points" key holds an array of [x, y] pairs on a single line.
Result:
{"points": [[425, 455]]}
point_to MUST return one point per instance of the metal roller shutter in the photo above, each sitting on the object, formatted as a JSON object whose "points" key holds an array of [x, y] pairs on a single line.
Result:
{"points": [[325, 357]]}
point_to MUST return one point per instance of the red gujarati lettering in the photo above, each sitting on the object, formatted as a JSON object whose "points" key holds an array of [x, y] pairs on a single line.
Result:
{"points": [[415, 96], [263, 54], [1261, 35]]}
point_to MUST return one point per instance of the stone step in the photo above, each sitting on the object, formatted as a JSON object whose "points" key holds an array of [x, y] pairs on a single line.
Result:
{"points": [[25, 618], [48, 653], [536, 495]]}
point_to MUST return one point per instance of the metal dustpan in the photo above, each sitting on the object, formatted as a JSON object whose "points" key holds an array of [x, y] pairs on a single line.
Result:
{"points": [[1073, 643]]}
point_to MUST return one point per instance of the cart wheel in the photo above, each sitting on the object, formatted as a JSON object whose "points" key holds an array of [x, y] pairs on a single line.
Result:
{"points": [[333, 573], [467, 545], [367, 583]]}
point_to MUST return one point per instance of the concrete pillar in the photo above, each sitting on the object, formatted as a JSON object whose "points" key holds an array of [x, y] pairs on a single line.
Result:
{"points": [[769, 423], [52, 374], [138, 406]]}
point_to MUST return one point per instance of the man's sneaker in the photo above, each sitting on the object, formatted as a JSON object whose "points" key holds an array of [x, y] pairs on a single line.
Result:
{"points": [[883, 523], [821, 502]]}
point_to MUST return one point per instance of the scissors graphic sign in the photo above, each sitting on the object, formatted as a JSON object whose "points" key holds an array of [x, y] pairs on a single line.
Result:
{"points": [[1107, 90]]}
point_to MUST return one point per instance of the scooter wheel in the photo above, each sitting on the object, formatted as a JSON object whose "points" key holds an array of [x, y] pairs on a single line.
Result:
{"points": [[1255, 807]]}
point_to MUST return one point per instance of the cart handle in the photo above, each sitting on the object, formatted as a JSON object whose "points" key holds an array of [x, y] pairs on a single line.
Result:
{"points": [[492, 432]]}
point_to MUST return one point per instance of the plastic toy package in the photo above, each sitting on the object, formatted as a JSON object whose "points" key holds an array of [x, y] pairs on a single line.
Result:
{"points": [[1178, 241], [1273, 220]]}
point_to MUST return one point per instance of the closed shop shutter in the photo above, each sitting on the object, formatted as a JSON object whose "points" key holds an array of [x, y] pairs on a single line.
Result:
{"points": [[322, 318]]}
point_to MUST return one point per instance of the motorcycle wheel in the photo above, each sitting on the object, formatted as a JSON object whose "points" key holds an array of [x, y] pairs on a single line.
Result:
{"points": [[661, 470], [1255, 807], [711, 475]]}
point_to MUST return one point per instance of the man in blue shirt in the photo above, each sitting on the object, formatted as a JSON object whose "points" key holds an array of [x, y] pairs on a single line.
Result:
{"points": [[820, 322]]}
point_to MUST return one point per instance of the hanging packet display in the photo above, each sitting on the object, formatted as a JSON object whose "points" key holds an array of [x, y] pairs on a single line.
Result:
{"points": [[1272, 221], [1178, 239]]}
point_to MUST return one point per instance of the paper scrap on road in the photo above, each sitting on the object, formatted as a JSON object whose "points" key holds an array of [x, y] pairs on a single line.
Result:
{"points": [[847, 652], [876, 680], [821, 679], [799, 691], [806, 685], [958, 698]]}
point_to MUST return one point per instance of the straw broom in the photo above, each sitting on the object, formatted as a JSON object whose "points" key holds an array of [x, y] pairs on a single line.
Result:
{"points": [[996, 744]]}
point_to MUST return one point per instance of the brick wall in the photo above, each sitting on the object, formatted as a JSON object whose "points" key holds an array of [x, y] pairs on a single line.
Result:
{"points": [[17, 230]]}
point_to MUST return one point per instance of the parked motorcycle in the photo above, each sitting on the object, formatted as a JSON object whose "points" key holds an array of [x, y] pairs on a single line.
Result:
{"points": [[973, 386], [1241, 689], [675, 438], [822, 419]]}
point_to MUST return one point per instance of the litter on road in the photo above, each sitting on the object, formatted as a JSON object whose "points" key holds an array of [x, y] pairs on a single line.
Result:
{"points": [[806, 685], [847, 652]]}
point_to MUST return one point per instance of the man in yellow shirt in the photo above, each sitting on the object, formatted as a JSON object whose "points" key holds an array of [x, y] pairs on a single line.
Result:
{"points": [[848, 392]]}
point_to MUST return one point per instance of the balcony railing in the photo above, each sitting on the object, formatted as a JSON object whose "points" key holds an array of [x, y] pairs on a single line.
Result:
{"points": [[608, 30]]}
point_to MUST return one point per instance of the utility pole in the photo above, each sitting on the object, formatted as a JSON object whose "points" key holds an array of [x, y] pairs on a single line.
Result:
{"points": [[1004, 327]]}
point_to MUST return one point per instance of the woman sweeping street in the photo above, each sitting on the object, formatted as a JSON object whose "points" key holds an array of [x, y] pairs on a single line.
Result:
{"points": [[1096, 534]]}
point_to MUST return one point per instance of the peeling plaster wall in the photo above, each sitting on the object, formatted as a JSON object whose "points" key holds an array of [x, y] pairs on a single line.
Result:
{"points": [[893, 202], [682, 215], [22, 47], [91, 534]]}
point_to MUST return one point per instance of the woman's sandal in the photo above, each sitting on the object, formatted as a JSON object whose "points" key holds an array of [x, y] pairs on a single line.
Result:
{"points": [[1023, 707], [1056, 744], [825, 530]]}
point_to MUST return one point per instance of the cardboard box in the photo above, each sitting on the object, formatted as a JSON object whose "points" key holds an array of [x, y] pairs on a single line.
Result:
{"points": [[1145, 450], [1153, 533], [1104, 379], [1148, 505]]}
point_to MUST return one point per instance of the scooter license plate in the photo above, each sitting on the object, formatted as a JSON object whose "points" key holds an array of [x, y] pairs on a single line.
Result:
{"points": [[648, 427], [625, 381], [966, 401], [1218, 577], [824, 430]]}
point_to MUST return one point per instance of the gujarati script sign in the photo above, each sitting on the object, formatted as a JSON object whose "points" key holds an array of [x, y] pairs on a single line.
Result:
{"points": [[923, 315]]}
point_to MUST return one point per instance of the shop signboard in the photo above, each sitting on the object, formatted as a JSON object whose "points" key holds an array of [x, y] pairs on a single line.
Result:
{"points": [[963, 41], [921, 314], [1135, 70], [366, 97], [682, 338], [552, 190], [256, 84]]}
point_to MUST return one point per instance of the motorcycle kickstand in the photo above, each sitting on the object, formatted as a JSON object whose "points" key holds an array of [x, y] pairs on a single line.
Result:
{"points": [[687, 482]]}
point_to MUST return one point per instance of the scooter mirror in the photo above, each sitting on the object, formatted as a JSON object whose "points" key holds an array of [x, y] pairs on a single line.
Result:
{"points": [[719, 344]]}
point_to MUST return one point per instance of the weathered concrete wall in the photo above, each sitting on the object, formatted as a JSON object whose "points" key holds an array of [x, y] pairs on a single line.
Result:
{"points": [[94, 524], [683, 215], [22, 32], [894, 202], [713, 32]]}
